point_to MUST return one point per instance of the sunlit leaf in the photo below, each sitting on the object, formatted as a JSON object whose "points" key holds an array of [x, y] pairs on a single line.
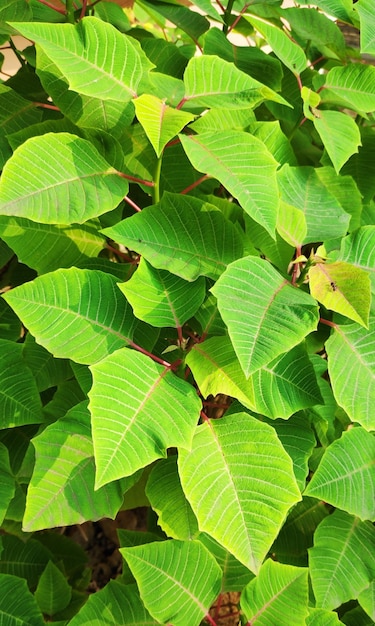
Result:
{"points": [[366, 18], [352, 86], [340, 136]]}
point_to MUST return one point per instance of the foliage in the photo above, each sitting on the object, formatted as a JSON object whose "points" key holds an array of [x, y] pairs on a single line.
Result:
{"points": [[187, 236]]}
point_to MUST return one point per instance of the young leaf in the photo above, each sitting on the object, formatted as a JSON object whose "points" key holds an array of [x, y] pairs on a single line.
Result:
{"points": [[342, 287], [213, 82], [111, 71], [53, 592], [186, 236], [243, 165], [248, 469], [133, 400], [340, 136], [254, 299], [342, 562], [345, 477], [17, 604], [268, 598], [164, 491], [178, 580], [118, 604], [65, 180], [291, 224], [19, 398], [67, 312], [351, 363], [163, 299], [285, 49], [161, 122], [61, 490]]}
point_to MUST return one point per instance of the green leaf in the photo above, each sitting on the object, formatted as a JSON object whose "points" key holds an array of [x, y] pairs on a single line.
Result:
{"points": [[269, 597], [84, 111], [359, 250], [15, 113], [7, 482], [302, 188], [47, 247], [340, 136], [19, 398], [321, 617], [111, 72], [164, 491], [47, 371], [342, 287], [274, 304], [298, 440], [61, 490], [367, 26], [317, 28], [186, 236], [26, 559], [342, 9], [345, 190], [65, 180], [117, 604], [189, 21], [243, 165], [248, 470], [18, 606], [10, 325], [342, 562], [291, 224], [367, 600], [282, 45], [133, 400], [297, 534], [160, 121], [345, 477], [168, 580], [53, 592], [351, 363], [163, 299], [212, 82], [285, 386], [235, 574], [67, 312], [351, 86]]}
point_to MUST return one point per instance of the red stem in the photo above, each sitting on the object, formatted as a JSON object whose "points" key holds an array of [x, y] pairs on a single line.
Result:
{"points": [[204, 417], [180, 335], [181, 103], [44, 105], [210, 620], [152, 356], [51, 6], [238, 17], [83, 10], [147, 183], [123, 255], [296, 266], [220, 5], [132, 204], [299, 81], [327, 322], [195, 184]]}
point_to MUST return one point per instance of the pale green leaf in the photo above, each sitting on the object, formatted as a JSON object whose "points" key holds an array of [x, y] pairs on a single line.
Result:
{"points": [[46, 247], [18, 606], [164, 491], [7, 482], [367, 600], [139, 409], [235, 574], [220, 119], [296, 536], [351, 86], [65, 180], [114, 605], [290, 53], [109, 71], [302, 188], [359, 250], [340, 135], [53, 592], [286, 385], [186, 236], [61, 490], [254, 300], [342, 9], [161, 122], [178, 581], [277, 251], [317, 28], [345, 190], [191, 22], [365, 9], [278, 595], [19, 398], [68, 314], [243, 165], [162, 299], [345, 477], [274, 140], [321, 617], [240, 484], [342, 562], [212, 82], [342, 287], [291, 224], [351, 367]]}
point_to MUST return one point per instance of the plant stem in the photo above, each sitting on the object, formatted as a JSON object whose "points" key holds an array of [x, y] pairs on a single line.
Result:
{"points": [[156, 189], [210, 620], [147, 183], [152, 356], [327, 323], [52, 6], [194, 184], [132, 204], [70, 11], [45, 105], [227, 14]]}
